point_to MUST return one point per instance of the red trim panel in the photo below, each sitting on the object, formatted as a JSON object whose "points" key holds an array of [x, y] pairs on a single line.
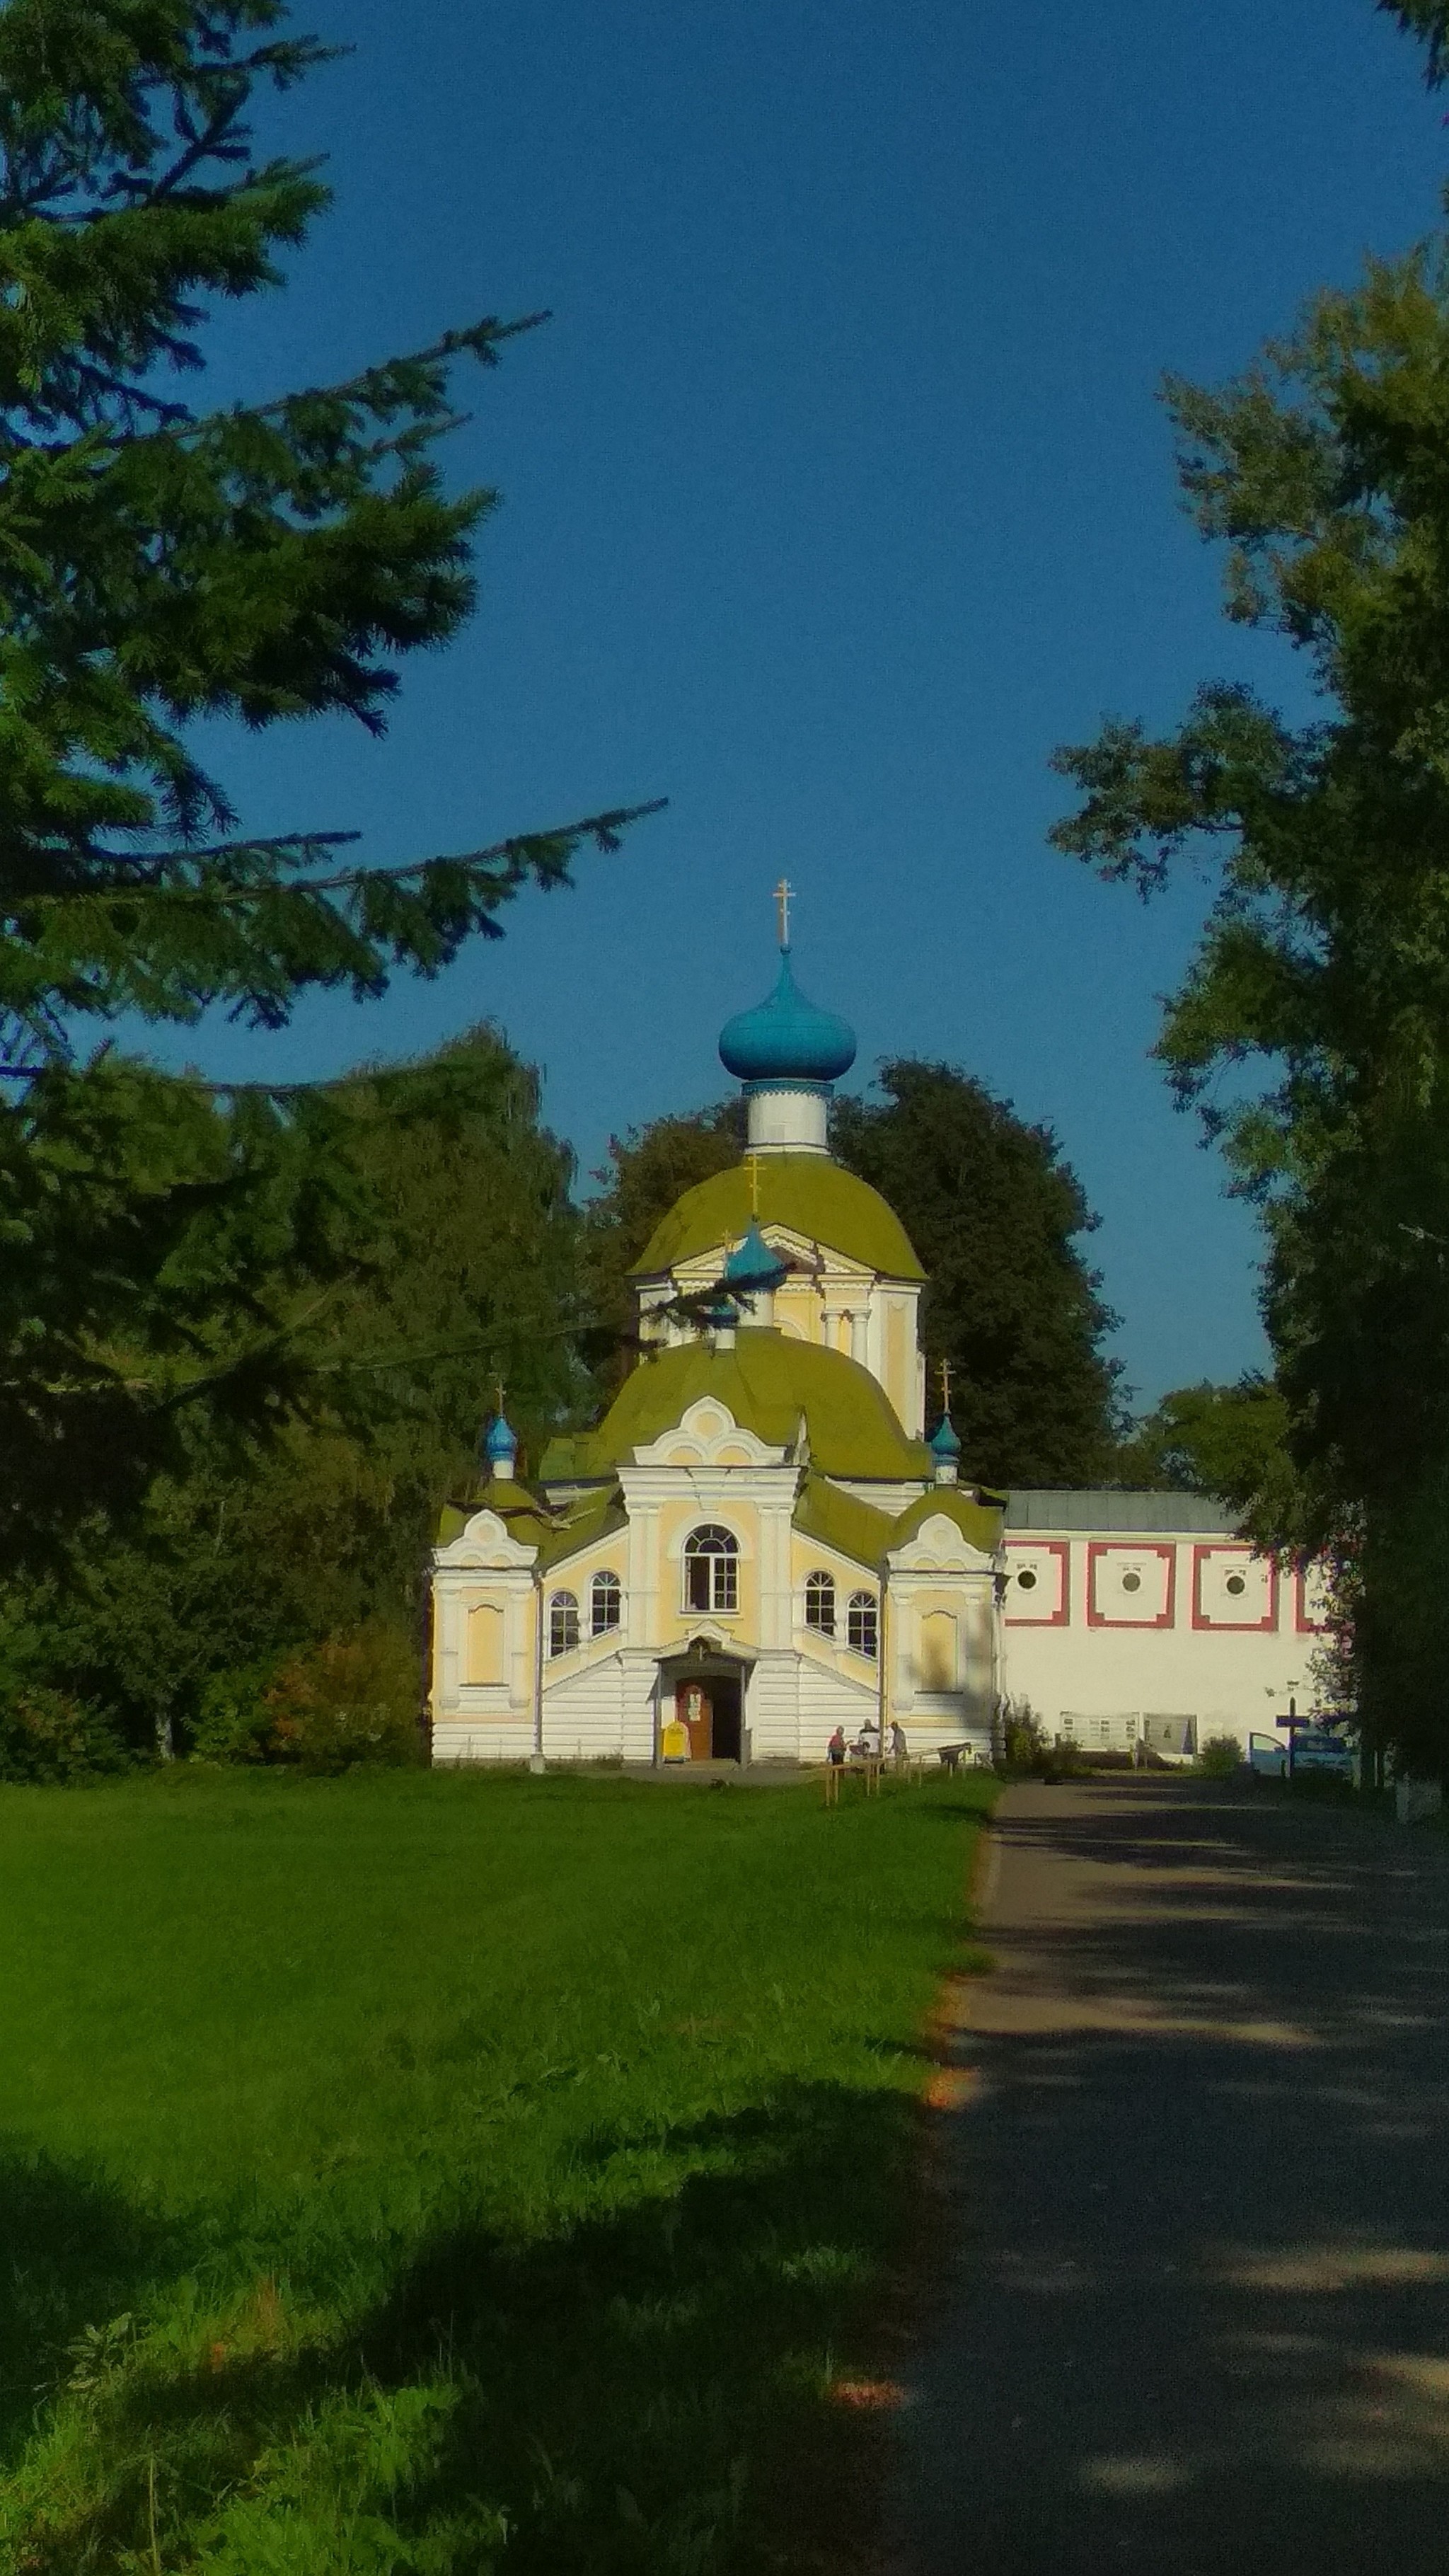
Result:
{"points": [[1060, 1548], [1232, 1627], [1098, 1548]]}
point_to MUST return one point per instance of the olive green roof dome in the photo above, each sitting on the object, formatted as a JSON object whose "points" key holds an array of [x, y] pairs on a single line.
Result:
{"points": [[808, 1193], [768, 1381]]}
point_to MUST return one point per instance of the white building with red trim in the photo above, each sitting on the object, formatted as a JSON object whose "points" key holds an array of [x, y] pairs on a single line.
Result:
{"points": [[1128, 1616]]}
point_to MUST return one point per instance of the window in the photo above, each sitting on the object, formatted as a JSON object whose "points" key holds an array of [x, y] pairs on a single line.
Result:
{"points": [[711, 1569], [606, 1603], [1027, 1578], [1236, 1585], [820, 1603], [563, 1624], [1132, 1581], [860, 1624]]}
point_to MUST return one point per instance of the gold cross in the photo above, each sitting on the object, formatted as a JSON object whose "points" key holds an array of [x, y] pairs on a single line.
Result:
{"points": [[784, 893], [752, 1166], [500, 1399], [945, 1386]]}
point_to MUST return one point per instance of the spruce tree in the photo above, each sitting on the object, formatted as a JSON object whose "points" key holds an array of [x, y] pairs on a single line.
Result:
{"points": [[160, 563]]}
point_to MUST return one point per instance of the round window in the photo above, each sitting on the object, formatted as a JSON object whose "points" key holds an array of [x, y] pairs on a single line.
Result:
{"points": [[1132, 1581], [1027, 1578], [1235, 1584]]}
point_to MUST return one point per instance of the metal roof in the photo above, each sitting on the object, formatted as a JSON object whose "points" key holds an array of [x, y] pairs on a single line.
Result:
{"points": [[1065, 1507]]}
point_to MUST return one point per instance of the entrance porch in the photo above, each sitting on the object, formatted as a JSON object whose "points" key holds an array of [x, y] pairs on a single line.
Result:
{"points": [[700, 1706]]}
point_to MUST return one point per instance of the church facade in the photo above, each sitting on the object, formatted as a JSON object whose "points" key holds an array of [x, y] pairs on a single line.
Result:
{"points": [[758, 1544]]}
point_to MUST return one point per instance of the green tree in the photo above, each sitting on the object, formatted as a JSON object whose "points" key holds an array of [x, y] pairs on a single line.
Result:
{"points": [[1325, 963], [994, 1213], [453, 1264], [1205, 1439], [263, 561]]}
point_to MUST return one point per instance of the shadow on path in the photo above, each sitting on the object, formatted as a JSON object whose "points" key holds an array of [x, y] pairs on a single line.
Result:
{"points": [[1196, 2310]]}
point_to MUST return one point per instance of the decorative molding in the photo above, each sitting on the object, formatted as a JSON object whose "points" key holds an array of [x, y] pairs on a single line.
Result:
{"points": [[704, 1432], [938, 1547], [484, 1544], [1061, 1617], [1229, 1627], [1304, 1625], [1097, 1549]]}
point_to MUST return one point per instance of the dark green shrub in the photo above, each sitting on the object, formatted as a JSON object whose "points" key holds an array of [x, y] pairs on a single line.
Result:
{"points": [[47, 1736], [234, 1723], [1218, 1757]]}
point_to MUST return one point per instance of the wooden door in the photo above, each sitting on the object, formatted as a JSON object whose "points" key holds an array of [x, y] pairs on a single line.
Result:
{"points": [[692, 1708]]}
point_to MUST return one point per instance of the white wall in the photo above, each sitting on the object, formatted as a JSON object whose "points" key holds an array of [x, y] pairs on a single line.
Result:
{"points": [[1207, 1631]]}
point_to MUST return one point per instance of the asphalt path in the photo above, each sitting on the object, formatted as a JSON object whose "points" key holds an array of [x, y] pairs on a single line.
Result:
{"points": [[1192, 2291]]}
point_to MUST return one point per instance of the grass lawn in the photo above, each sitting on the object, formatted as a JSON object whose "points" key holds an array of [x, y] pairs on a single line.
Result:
{"points": [[423, 2175]]}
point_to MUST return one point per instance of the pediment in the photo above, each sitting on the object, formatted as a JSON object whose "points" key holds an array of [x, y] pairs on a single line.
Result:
{"points": [[811, 1257], [485, 1541], [939, 1546], [707, 1435]]}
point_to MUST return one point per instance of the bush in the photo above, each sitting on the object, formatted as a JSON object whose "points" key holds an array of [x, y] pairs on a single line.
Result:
{"points": [[234, 1723], [1218, 1757], [46, 1736], [353, 1699]]}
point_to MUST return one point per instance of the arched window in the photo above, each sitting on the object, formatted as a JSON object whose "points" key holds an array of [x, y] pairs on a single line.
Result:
{"points": [[820, 1603], [861, 1624], [563, 1624], [711, 1569], [606, 1601]]}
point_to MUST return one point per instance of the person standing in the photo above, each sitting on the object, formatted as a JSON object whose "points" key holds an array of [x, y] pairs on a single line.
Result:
{"points": [[835, 1749]]}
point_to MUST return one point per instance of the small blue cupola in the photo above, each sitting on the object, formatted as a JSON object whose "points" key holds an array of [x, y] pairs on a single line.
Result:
{"points": [[500, 1448], [945, 1448], [752, 1269]]}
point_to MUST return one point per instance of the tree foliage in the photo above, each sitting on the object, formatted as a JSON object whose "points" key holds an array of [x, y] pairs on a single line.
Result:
{"points": [[1321, 987], [448, 1263], [1205, 1439], [162, 563], [995, 1215], [1429, 20]]}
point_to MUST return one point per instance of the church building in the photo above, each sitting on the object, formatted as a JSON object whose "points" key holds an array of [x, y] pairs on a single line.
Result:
{"points": [[757, 1544]]}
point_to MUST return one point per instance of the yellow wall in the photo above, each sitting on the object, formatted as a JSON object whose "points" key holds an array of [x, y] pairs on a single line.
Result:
{"points": [[895, 1363], [675, 1622]]}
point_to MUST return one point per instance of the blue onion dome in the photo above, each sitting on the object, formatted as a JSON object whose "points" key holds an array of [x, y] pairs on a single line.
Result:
{"points": [[500, 1447], [752, 1267], [786, 1039], [945, 1442]]}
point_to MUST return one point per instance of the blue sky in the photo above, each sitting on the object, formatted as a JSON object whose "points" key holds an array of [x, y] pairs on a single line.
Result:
{"points": [[834, 496]]}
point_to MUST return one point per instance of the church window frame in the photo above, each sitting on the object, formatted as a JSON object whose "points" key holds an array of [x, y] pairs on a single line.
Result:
{"points": [[862, 1624], [563, 1624], [711, 1568], [606, 1603], [820, 1602]]}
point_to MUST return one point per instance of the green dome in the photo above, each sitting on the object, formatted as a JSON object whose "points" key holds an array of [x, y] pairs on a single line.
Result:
{"points": [[808, 1193], [767, 1381]]}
